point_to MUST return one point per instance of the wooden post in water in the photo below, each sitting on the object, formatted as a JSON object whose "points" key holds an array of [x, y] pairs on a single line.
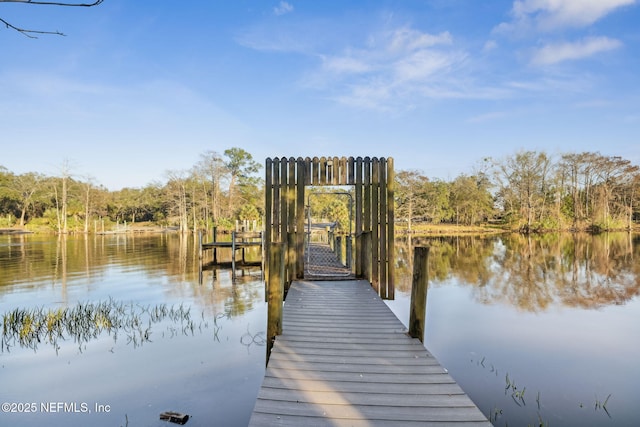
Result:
{"points": [[275, 294], [214, 236], [418, 313], [268, 217]]}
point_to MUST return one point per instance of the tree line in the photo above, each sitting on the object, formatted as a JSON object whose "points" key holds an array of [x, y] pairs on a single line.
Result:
{"points": [[531, 192], [528, 191], [217, 190]]}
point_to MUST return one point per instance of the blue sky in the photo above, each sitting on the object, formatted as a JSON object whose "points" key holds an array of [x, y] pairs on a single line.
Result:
{"points": [[136, 89]]}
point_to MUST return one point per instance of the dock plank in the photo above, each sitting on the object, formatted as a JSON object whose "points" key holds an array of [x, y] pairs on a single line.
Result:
{"points": [[344, 359]]}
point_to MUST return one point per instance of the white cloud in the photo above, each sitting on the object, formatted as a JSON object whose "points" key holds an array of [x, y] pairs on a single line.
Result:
{"points": [[346, 64], [555, 53], [549, 15], [487, 117], [406, 39], [489, 46], [283, 8], [392, 67]]}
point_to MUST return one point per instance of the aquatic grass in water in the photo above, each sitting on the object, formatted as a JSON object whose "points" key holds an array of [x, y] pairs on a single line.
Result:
{"points": [[86, 321], [517, 395]]}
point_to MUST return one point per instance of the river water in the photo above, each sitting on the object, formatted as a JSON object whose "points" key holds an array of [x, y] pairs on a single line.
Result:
{"points": [[537, 331]]}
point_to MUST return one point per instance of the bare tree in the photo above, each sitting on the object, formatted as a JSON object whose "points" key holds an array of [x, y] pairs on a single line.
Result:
{"points": [[32, 33], [26, 185], [212, 166], [523, 180]]}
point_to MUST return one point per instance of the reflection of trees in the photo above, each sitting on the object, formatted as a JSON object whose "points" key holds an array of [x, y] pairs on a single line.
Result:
{"points": [[463, 256], [70, 260], [600, 271], [532, 272]]}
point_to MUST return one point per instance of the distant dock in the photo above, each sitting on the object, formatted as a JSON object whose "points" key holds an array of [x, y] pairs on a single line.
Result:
{"points": [[240, 241]]}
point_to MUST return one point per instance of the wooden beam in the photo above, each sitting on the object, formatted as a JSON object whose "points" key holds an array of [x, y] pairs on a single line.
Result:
{"points": [[419, 285], [300, 183], [343, 171], [315, 171], [391, 265], [383, 228], [275, 295], [375, 226], [366, 225], [268, 214], [358, 213], [291, 221]]}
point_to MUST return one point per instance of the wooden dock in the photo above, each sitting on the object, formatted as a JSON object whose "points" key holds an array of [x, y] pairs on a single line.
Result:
{"points": [[240, 240], [344, 359]]}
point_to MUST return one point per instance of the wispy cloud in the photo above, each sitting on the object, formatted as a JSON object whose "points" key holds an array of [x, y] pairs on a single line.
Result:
{"points": [[399, 67], [487, 117], [391, 68], [555, 53], [550, 15], [388, 69], [283, 8]]}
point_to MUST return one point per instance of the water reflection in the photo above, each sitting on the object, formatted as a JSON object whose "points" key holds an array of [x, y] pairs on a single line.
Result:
{"points": [[538, 330], [534, 272], [203, 351], [66, 269], [558, 314]]}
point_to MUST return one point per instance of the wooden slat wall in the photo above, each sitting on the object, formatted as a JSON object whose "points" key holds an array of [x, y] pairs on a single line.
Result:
{"points": [[285, 181]]}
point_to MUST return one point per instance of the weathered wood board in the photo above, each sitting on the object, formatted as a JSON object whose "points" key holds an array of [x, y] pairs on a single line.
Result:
{"points": [[344, 359]]}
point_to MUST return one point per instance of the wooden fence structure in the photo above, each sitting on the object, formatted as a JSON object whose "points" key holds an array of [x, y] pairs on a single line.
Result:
{"points": [[372, 179]]}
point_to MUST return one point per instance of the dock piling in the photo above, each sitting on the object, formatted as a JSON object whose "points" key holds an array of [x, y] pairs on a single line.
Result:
{"points": [[417, 315], [275, 293]]}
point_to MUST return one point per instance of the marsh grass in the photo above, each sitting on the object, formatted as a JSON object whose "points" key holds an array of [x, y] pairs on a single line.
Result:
{"points": [[603, 405], [29, 327], [517, 395]]}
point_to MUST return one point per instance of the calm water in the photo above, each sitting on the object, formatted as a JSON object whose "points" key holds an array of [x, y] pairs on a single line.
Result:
{"points": [[557, 317], [535, 330], [211, 371]]}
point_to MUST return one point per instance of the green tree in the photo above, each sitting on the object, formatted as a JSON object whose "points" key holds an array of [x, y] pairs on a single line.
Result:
{"points": [[410, 196], [8, 196], [240, 166], [471, 199], [437, 201]]}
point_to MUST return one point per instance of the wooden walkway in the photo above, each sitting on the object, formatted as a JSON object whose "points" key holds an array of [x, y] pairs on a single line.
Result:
{"points": [[322, 264], [344, 359]]}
